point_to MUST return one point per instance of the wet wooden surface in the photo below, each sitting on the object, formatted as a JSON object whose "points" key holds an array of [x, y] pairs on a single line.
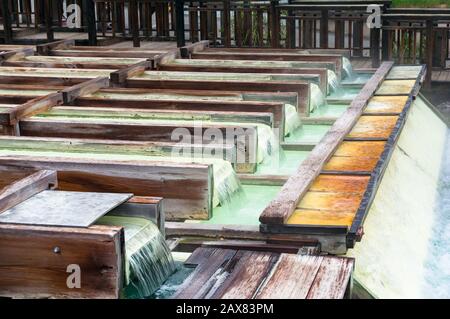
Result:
{"points": [[333, 200], [243, 274]]}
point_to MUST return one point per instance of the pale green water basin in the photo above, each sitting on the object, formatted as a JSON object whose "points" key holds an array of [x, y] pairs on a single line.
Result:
{"points": [[330, 110], [246, 207], [308, 133]]}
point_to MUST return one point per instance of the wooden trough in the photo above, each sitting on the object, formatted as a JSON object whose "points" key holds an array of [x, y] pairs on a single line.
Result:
{"points": [[39, 268]]}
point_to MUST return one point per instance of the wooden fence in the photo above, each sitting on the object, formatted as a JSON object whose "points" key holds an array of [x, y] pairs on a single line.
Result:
{"points": [[407, 35]]}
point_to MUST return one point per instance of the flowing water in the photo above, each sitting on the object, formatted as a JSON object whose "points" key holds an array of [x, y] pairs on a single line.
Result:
{"points": [[404, 250], [292, 119], [317, 98], [333, 81], [149, 260], [437, 267], [347, 68]]}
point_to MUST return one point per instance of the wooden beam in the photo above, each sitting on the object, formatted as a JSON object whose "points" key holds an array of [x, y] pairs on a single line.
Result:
{"points": [[279, 210], [119, 77], [187, 50], [85, 88], [141, 178], [15, 54], [46, 48], [25, 188], [35, 259], [37, 105], [7, 27]]}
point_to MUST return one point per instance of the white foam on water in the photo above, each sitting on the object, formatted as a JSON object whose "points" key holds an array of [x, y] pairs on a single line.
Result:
{"points": [[333, 81], [317, 98], [347, 68], [437, 267], [149, 261], [291, 119]]}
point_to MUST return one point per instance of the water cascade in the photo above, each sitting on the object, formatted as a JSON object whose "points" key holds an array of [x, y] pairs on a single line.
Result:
{"points": [[333, 81], [437, 267], [347, 68], [149, 260], [292, 119], [317, 98], [392, 256]]}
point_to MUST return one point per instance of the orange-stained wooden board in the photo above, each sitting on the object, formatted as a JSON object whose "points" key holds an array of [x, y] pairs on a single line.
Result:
{"points": [[337, 202], [340, 184], [404, 72], [386, 104], [360, 149], [321, 217], [369, 126], [351, 164], [396, 87]]}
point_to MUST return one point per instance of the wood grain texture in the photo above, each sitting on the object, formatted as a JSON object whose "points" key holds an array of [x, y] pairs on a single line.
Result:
{"points": [[396, 87], [373, 127], [386, 105], [31, 269], [22, 189], [85, 88]]}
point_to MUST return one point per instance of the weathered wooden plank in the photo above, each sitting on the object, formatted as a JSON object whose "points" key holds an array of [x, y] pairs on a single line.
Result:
{"points": [[333, 279], [386, 105], [369, 127], [37, 105], [321, 217], [296, 187], [246, 276], [197, 285], [34, 261], [396, 87], [291, 278], [299, 87], [85, 88], [405, 72], [340, 184], [351, 164], [186, 188], [47, 48], [119, 77], [21, 190], [338, 202]]}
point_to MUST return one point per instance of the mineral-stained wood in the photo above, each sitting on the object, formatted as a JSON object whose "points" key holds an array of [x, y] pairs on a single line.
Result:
{"points": [[340, 184], [338, 202], [296, 187], [386, 105], [364, 165], [321, 217], [406, 72], [396, 87], [373, 127], [31, 268]]}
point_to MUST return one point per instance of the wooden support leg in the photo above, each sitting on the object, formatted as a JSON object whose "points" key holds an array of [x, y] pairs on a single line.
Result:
{"points": [[179, 8], [429, 55], [92, 27], [7, 21]]}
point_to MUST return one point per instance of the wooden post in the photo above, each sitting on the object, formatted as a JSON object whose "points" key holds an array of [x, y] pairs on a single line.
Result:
{"points": [[375, 46], [134, 21], [49, 21], [429, 55], [358, 38], [179, 8], [92, 27], [324, 29], [275, 24], [7, 22], [226, 24]]}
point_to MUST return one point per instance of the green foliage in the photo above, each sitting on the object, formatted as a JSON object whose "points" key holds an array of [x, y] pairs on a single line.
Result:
{"points": [[421, 3]]}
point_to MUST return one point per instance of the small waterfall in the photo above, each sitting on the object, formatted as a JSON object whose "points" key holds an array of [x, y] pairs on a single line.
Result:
{"points": [[291, 119], [268, 144], [317, 98], [333, 81], [437, 267], [149, 260], [347, 68], [226, 182]]}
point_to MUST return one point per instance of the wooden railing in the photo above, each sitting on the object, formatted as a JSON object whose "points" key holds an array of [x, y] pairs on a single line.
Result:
{"points": [[407, 35]]}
